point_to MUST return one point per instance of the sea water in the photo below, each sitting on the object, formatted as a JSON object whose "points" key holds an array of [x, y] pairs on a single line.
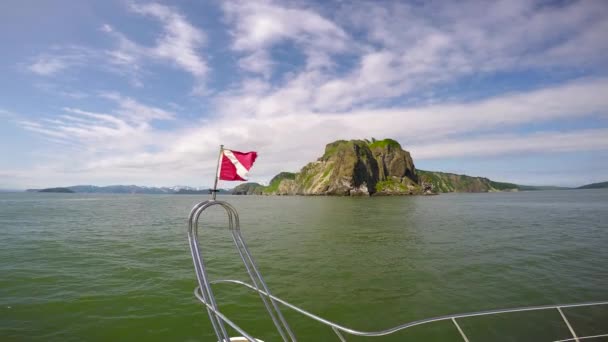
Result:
{"points": [[88, 267]]}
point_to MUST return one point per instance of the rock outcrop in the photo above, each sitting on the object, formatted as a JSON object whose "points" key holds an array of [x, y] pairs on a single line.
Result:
{"points": [[353, 168]]}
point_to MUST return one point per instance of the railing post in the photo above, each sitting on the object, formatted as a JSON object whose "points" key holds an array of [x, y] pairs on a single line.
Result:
{"points": [[464, 337], [342, 339], [568, 324]]}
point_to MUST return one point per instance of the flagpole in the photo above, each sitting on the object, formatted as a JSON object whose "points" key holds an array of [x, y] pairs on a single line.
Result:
{"points": [[217, 170]]}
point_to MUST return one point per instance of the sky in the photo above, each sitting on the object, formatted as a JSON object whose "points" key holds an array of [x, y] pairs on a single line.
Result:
{"points": [[137, 92]]}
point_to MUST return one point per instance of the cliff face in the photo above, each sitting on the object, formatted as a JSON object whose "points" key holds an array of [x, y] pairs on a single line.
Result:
{"points": [[352, 168]]}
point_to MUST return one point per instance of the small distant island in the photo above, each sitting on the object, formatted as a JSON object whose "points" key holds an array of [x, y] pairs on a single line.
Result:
{"points": [[58, 190], [346, 168], [130, 189], [249, 189], [200, 192]]}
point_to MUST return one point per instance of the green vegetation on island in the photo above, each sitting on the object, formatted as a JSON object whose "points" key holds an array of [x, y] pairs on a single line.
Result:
{"points": [[384, 143], [450, 182], [275, 182]]}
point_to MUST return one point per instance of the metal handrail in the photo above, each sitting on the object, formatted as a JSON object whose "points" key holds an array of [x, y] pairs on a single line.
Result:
{"points": [[409, 324], [205, 295]]}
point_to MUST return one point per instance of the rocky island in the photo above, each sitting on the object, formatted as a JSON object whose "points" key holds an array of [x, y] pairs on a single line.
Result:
{"points": [[353, 168], [369, 168]]}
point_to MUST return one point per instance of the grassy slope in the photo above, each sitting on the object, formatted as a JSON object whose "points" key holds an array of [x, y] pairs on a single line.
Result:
{"points": [[450, 182], [276, 180], [383, 143]]}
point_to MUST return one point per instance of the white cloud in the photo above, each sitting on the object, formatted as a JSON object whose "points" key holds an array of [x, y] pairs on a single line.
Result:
{"points": [[259, 61], [125, 130], [260, 25], [419, 46], [127, 53], [59, 59], [405, 48], [360, 62], [496, 145], [287, 141], [180, 40], [134, 110], [40, 128], [178, 44], [47, 66], [485, 35]]}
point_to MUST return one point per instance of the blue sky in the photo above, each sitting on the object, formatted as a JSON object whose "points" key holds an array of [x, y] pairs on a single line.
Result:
{"points": [[134, 92]]}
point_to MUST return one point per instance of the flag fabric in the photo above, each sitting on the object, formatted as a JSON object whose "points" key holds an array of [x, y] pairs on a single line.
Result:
{"points": [[235, 165]]}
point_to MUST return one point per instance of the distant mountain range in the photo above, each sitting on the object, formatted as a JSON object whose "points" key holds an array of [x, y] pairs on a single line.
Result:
{"points": [[128, 189], [445, 184]]}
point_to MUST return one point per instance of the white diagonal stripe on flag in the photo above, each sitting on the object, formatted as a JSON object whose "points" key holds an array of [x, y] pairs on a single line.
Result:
{"points": [[240, 169]]}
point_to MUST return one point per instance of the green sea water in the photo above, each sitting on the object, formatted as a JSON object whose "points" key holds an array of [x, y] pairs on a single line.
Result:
{"points": [[86, 267]]}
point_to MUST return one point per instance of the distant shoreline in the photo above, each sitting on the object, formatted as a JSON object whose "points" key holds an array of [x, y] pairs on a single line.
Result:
{"points": [[227, 193]]}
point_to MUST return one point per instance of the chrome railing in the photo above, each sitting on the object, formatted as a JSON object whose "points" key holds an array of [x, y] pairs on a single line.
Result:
{"points": [[218, 320]]}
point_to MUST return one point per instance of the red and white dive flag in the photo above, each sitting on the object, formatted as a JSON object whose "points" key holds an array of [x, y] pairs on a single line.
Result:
{"points": [[235, 165]]}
